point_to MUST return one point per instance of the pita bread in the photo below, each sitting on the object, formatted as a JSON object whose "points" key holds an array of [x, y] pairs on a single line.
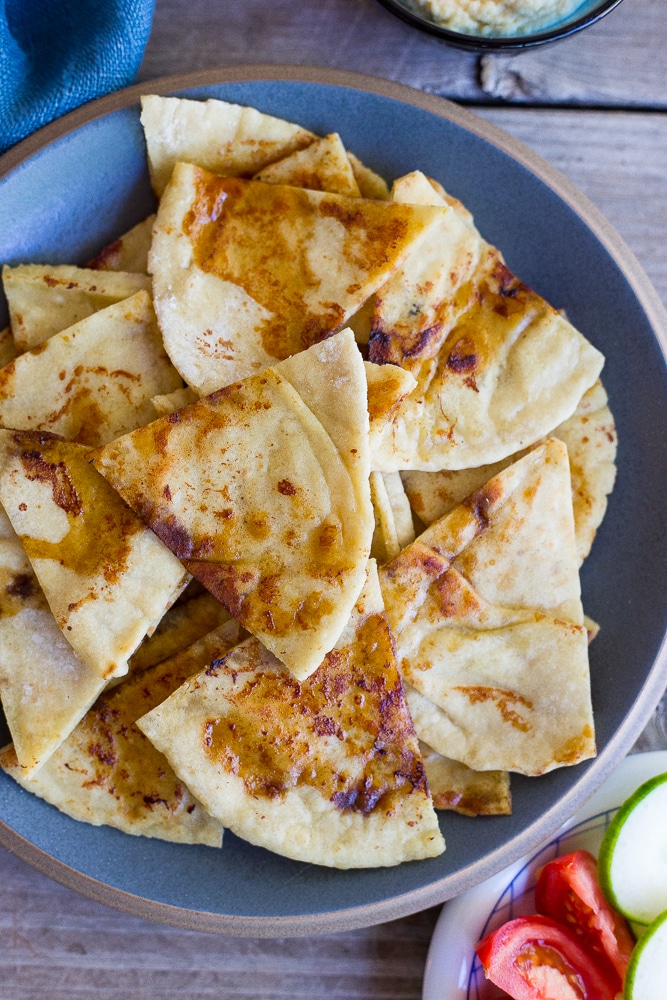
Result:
{"points": [[371, 185], [44, 300], [590, 436], [326, 770], [45, 690], [129, 252], [224, 138], [7, 347], [486, 612], [322, 166], [189, 619], [393, 518], [497, 367], [94, 380], [107, 772], [107, 578], [246, 274], [261, 489], [471, 793], [175, 400]]}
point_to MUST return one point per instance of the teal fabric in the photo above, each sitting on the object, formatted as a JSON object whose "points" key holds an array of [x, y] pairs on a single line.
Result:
{"points": [[57, 54]]}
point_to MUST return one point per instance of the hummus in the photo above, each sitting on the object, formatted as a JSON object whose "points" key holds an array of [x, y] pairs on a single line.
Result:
{"points": [[496, 17]]}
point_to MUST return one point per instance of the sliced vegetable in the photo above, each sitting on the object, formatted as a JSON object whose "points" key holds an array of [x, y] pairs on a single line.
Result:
{"points": [[568, 891], [646, 973], [535, 958], [632, 863]]}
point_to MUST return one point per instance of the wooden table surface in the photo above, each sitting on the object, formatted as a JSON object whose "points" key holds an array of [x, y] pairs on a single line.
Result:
{"points": [[595, 106]]}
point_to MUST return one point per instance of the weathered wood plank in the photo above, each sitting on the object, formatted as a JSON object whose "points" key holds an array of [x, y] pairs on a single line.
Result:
{"points": [[618, 62]]}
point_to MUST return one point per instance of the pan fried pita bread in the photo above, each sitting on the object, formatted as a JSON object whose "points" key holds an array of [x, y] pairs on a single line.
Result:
{"points": [[322, 166], [44, 688], [486, 611], [261, 489], [471, 793], [129, 252], [327, 770], [224, 138], [175, 400], [497, 367], [246, 273], [94, 380], [107, 578], [188, 620], [107, 772], [44, 300], [590, 436], [393, 517], [371, 185], [7, 347]]}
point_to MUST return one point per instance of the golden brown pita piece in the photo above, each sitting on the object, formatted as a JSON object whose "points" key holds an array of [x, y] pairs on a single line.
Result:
{"points": [[261, 489], [497, 367], [246, 274], [394, 528], [129, 252], [471, 793], [44, 688], [94, 380], [107, 772], [486, 611], [44, 299], [325, 770], [107, 578], [322, 166], [7, 347], [190, 618]]}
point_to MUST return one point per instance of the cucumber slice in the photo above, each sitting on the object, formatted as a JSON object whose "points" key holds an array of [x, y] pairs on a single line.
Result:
{"points": [[632, 863], [645, 978]]}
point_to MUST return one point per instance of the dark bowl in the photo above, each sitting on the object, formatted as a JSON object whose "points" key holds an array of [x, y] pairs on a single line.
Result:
{"points": [[587, 13]]}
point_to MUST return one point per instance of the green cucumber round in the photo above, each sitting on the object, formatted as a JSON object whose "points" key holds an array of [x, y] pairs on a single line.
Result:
{"points": [[632, 863], [645, 978]]}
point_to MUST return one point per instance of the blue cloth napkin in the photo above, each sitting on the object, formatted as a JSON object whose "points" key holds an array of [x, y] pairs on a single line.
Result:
{"points": [[57, 54]]}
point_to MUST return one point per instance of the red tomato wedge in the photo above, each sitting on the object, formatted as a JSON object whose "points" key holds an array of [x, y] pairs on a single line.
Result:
{"points": [[534, 958], [568, 891]]}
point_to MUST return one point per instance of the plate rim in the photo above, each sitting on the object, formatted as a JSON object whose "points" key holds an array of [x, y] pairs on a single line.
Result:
{"points": [[598, 770]]}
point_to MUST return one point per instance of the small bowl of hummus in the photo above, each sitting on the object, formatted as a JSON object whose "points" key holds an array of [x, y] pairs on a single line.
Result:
{"points": [[500, 24]]}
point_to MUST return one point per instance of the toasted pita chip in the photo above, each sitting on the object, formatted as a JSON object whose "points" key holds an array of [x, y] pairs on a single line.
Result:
{"points": [[108, 773], [388, 387], [471, 793], [497, 367], [225, 138], [322, 166], [188, 620], [129, 252], [94, 380], [486, 611], [107, 578], [246, 273], [370, 184], [45, 690], [7, 347], [393, 517], [44, 300], [175, 400], [261, 489], [590, 436], [327, 770]]}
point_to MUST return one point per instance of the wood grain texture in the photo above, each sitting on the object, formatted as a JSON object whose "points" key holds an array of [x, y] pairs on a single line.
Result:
{"points": [[618, 61]]}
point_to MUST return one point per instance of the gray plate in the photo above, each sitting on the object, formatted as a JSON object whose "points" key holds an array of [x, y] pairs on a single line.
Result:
{"points": [[78, 183]]}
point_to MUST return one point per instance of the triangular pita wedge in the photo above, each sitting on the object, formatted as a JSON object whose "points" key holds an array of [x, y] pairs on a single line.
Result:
{"points": [[107, 578], [108, 773], [590, 436], [370, 184], [322, 166], [497, 367], [44, 688], [175, 400], [44, 300], [393, 517], [246, 274], [129, 252], [325, 770], [94, 380], [471, 793], [225, 138], [261, 489], [388, 387], [188, 620], [7, 347], [486, 612]]}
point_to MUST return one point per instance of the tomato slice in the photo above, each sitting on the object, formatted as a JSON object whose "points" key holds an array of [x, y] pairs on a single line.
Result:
{"points": [[535, 958], [568, 890]]}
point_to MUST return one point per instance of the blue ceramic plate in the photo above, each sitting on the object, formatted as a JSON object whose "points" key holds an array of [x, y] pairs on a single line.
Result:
{"points": [[77, 184]]}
